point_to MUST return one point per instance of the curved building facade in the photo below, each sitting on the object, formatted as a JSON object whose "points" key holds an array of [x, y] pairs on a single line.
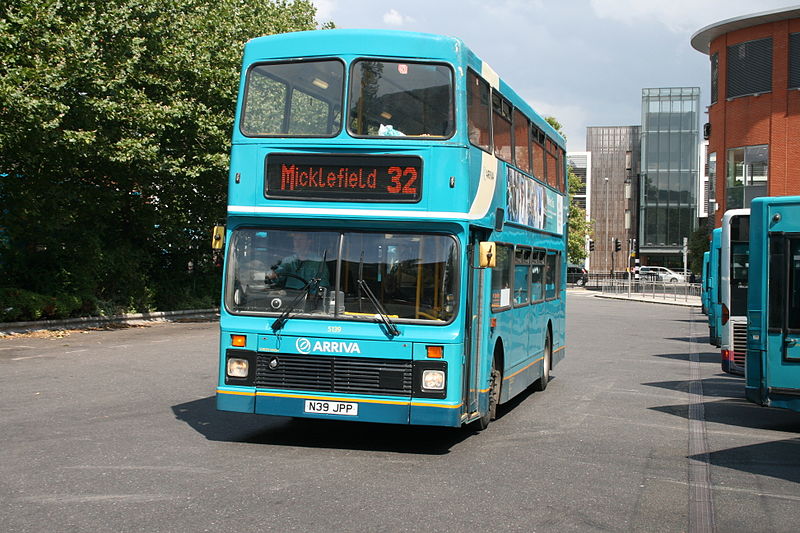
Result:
{"points": [[753, 127]]}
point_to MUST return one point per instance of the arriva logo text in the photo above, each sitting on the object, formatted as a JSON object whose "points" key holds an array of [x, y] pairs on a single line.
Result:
{"points": [[306, 346]]}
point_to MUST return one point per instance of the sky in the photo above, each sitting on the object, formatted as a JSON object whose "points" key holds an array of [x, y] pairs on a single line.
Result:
{"points": [[584, 62]]}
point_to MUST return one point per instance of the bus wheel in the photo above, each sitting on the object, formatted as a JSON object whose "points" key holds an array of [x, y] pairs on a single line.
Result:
{"points": [[495, 382], [541, 383]]}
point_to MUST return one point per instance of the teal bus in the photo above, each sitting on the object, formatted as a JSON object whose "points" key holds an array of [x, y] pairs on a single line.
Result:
{"points": [[396, 233], [714, 308], [772, 374], [733, 272], [705, 286]]}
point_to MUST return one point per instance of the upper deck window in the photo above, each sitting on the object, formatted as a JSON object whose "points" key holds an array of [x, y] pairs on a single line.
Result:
{"points": [[294, 99], [401, 99]]}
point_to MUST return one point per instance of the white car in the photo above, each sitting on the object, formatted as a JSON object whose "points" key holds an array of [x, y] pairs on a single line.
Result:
{"points": [[660, 274]]}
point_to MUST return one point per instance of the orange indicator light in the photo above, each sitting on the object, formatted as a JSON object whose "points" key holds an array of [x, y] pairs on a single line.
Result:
{"points": [[493, 322], [240, 341], [435, 352]]}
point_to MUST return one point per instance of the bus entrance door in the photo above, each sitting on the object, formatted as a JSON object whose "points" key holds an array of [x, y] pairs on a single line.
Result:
{"points": [[475, 326]]}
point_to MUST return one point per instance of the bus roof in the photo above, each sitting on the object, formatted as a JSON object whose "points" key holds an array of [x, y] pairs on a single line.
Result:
{"points": [[383, 43]]}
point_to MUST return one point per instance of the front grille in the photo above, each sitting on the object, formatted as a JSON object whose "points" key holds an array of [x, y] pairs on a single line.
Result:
{"points": [[344, 375], [739, 344]]}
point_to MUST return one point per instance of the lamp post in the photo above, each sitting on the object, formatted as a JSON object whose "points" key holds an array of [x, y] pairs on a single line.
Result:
{"points": [[607, 236]]}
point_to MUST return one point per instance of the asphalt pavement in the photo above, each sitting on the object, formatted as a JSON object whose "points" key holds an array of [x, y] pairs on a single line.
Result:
{"points": [[639, 430]]}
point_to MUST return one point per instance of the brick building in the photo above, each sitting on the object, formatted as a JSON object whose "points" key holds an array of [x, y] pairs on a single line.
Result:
{"points": [[754, 116]]}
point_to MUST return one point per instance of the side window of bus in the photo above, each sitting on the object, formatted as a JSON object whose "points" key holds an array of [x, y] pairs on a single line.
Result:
{"points": [[501, 127], [537, 275], [478, 112], [501, 278], [793, 315], [562, 185], [538, 153], [522, 259], [777, 283], [551, 275], [522, 153], [552, 164]]}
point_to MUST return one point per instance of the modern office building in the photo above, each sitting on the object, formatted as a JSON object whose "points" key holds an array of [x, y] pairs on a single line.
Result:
{"points": [[754, 116], [614, 165], [581, 164], [668, 179]]}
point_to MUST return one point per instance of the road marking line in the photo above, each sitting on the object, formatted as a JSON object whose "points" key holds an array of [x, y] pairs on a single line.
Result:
{"points": [[28, 357], [701, 501]]}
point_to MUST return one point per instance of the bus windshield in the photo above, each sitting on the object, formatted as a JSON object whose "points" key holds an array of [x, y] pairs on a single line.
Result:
{"points": [[401, 99], [319, 273], [294, 99]]}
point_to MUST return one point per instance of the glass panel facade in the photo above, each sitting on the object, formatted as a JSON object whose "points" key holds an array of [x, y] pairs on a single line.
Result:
{"points": [[747, 172], [670, 136]]}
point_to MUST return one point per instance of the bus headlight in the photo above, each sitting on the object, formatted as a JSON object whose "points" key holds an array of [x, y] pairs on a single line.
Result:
{"points": [[433, 380], [238, 368]]}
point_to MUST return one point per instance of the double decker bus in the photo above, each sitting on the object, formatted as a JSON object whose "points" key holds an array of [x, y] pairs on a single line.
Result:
{"points": [[714, 307], [773, 345], [733, 267], [396, 233]]}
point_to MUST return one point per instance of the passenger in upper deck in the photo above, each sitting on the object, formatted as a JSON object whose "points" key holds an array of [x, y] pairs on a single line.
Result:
{"points": [[297, 269]]}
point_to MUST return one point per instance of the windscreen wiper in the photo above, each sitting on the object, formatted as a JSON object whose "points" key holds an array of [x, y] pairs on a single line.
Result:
{"points": [[390, 327], [304, 292]]}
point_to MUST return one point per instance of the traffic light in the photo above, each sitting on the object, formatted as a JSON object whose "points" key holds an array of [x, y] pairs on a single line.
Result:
{"points": [[617, 245], [591, 245]]}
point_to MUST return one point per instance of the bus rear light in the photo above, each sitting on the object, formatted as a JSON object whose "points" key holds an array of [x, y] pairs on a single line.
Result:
{"points": [[435, 352], [727, 355], [238, 368], [726, 315], [240, 341]]}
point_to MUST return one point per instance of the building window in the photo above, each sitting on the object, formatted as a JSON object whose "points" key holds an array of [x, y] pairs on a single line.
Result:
{"points": [[794, 60], [750, 68], [746, 175], [712, 183], [714, 76]]}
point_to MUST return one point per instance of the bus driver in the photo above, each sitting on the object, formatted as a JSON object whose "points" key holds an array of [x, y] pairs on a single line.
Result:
{"points": [[297, 269]]}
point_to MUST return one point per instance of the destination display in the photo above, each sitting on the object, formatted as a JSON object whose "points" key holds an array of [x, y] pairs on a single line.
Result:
{"points": [[343, 178]]}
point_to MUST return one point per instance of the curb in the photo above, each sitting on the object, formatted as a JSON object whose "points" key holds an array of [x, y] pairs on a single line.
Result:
{"points": [[649, 300], [77, 323]]}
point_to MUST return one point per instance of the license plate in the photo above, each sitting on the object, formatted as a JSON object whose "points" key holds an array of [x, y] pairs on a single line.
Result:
{"points": [[331, 408]]}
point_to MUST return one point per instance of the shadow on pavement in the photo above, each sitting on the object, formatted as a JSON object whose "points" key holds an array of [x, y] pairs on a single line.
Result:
{"points": [[705, 357], [720, 386], [203, 416], [778, 459]]}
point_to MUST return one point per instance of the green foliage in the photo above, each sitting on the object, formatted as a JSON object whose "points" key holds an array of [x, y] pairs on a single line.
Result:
{"points": [[115, 118], [19, 305], [699, 242], [553, 121]]}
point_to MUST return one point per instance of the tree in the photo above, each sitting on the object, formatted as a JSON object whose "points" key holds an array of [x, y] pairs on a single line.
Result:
{"points": [[115, 119], [698, 244]]}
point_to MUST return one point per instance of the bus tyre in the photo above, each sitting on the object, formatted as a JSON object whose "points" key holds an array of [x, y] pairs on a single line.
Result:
{"points": [[541, 383], [495, 381]]}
